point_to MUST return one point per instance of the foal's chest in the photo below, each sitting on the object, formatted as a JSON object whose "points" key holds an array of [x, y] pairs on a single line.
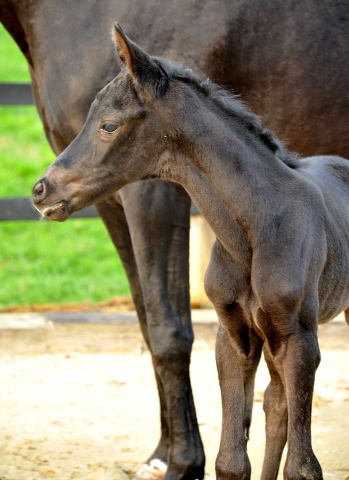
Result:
{"points": [[227, 278]]}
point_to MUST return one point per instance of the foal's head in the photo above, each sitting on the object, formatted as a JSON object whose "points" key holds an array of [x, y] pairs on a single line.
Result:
{"points": [[121, 142]]}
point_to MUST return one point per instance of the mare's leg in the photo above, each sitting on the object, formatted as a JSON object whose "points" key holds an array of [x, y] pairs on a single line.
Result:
{"points": [[157, 214], [238, 351], [275, 408], [295, 354], [113, 216]]}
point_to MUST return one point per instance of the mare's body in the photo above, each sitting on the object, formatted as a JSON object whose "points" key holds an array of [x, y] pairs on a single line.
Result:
{"points": [[280, 264], [289, 60]]}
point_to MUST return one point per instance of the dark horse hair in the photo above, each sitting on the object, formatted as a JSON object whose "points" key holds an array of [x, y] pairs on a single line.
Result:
{"points": [[231, 104]]}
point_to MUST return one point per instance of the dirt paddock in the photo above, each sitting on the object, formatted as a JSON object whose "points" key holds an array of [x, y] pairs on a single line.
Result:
{"points": [[81, 408]]}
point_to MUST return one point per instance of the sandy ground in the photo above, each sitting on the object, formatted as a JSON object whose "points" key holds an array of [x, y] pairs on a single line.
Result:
{"points": [[94, 416]]}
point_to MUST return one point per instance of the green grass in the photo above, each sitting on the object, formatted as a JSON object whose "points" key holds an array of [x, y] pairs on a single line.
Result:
{"points": [[13, 65], [45, 262]]}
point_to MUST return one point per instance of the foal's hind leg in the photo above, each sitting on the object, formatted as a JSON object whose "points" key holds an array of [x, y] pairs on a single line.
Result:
{"points": [[275, 408], [238, 352], [158, 218]]}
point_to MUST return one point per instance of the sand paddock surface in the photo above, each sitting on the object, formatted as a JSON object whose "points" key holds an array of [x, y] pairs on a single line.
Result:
{"points": [[80, 408]]}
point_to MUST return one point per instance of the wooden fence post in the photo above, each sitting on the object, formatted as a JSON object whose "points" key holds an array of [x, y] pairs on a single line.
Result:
{"points": [[201, 241]]}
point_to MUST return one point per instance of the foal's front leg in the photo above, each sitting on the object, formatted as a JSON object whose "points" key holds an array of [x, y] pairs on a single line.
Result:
{"points": [[275, 408], [301, 359], [295, 355], [238, 352]]}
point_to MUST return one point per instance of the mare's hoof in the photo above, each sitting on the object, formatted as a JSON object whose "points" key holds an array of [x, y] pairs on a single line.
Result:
{"points": [[154, 470]]}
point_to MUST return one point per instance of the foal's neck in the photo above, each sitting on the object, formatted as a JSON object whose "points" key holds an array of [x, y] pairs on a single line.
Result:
{"points": [[231, 175]]}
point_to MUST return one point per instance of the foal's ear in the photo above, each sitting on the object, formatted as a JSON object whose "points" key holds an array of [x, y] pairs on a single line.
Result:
{"points": [[144, 70]]}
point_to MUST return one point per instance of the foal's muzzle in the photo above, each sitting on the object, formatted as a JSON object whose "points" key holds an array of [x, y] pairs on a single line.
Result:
{"points": [[45, 201]]}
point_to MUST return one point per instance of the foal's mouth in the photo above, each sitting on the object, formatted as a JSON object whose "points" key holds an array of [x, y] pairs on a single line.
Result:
{"points": [[58, 212]]}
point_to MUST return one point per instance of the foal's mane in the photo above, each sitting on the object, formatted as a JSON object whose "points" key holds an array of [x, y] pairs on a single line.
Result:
{"points": [[232, 105]]}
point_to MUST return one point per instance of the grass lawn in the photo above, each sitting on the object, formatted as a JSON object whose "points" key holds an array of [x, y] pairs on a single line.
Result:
{"points": [[41, 261], [13, 65], [46, 262]]}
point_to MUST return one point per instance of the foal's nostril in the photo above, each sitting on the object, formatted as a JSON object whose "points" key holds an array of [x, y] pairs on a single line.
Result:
{"points": [[39, 190]]}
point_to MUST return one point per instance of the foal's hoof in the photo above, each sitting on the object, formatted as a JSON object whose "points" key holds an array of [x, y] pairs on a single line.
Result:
{"points": [[154, 470]]}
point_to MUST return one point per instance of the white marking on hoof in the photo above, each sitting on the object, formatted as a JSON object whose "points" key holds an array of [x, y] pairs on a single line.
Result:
{"points": [[155, 470]]}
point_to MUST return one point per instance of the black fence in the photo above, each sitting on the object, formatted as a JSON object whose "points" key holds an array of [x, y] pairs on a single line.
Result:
{"points": [[16, 94], [13, 209]]}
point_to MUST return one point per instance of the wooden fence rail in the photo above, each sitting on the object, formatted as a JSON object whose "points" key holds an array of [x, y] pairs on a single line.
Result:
{"points": [[16, 94], [14, 209]]}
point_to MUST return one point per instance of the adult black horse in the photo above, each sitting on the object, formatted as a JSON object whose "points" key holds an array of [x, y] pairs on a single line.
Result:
{"points": [[288, 58]]}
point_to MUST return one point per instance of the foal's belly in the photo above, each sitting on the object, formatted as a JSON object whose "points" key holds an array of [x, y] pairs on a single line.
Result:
{"points": [[334, 304], [333, 288]]}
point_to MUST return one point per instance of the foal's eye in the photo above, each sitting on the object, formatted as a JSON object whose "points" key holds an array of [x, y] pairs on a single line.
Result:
{"points": [[109, 127]]}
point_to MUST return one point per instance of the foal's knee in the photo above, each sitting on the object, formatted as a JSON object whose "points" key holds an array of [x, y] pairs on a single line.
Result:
{"points": [[304, 350]]}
